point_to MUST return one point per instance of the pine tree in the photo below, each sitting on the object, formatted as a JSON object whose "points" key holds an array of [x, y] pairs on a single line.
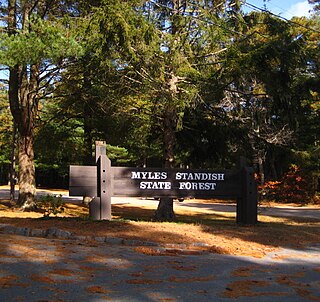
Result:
{"points": [[35, 47]]}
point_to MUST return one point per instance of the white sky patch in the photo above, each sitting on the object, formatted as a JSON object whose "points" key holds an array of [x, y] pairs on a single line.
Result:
{"points": [[299, 9]]}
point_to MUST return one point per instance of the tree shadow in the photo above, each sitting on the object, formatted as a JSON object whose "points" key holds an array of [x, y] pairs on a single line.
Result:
{"points": [[287, 231], [38, 269], [191, 227]]}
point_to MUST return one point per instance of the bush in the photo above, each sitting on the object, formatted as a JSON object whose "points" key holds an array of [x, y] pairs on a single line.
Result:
{"points": [[50, 204], [296, 186]]}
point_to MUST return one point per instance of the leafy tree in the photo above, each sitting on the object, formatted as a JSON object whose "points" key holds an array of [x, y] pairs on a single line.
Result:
{"points": [[168, 69], [90, 90], [142, 68], [52, 160], [266, 71], [34, 47], [306, 150]]}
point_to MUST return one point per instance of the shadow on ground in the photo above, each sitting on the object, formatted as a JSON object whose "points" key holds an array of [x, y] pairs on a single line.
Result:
{"points": [[38, 269], [215, 231]]}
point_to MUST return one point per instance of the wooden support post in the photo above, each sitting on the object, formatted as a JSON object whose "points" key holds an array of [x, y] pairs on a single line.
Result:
{"points": [[247, 204], [94, 209], [104, 186], [100, 206], [100, 149]]}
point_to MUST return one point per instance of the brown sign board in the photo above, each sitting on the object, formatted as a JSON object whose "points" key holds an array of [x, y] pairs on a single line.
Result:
{"points": [[176, 183], [104, 181], [140, 182], [83, 181]]}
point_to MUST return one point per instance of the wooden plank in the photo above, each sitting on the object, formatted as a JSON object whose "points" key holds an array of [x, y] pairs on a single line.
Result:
{"points": [[157, 182], [83, 181], [124, 189], [83, 171], [83, 191], [175, 182]]}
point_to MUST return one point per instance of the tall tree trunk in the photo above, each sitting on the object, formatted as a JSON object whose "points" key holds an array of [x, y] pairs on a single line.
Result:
{"points": [[28, 110], [87, 120], [23, 87], [169, 136], [165, 210], [24, 107], [27, 185], [88, 142]]}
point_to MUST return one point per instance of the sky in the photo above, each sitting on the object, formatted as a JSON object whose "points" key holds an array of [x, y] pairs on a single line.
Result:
{"points": [[285, 8]]}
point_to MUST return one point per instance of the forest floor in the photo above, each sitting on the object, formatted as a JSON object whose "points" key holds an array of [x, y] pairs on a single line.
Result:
{"points": [[202, 225]]}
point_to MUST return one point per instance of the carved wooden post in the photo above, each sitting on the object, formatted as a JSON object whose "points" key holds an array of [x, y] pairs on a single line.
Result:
{"points": [[100, 206], [104, 186], [247, 205], [100, 149]]}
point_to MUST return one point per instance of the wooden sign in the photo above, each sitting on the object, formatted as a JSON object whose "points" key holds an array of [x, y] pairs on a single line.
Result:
{"points": [[176, 183], [103, 181]]}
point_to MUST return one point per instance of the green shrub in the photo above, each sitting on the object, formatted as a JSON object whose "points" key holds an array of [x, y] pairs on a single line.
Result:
{"points": [[50, 204]]}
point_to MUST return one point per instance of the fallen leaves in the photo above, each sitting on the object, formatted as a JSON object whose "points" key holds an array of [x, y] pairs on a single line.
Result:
{"points": [[11, 281], [190, 279], [301, 288], [62, 272], [245, 288], [95, 289], [44, 279], [144, 281], [165, 252]]}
